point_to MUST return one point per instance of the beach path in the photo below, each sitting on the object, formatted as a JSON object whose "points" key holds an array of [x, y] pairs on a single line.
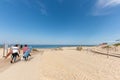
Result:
{"points": [[64, 65]]}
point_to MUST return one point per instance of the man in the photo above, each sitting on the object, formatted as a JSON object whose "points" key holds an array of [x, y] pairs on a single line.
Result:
{"points": [[15, 52]]}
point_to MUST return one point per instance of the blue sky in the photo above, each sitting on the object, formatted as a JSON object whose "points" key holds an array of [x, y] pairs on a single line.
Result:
{"points": [[59, 21]]}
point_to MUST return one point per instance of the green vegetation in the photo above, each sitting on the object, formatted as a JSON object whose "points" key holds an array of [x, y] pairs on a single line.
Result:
{"points": [[34, 50], [58, 48], [116, 45], [79, 48], [108, 49]]}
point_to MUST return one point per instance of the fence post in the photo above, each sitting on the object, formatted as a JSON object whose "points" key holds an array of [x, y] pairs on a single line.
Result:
{"points": [[5, 49]]}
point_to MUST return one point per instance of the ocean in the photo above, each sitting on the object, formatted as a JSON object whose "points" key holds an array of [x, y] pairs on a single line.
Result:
{"points": [[53, 46], [56, 46]]}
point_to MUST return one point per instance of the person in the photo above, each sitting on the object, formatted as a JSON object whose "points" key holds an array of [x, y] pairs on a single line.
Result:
{"points": [[15, 52], [26, 52], [25, 48]]}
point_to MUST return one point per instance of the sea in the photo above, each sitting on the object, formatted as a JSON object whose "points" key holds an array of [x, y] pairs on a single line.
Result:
{"points": [[50, 46]]}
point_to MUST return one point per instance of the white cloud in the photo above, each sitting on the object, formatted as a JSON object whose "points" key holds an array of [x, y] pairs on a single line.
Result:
{"points": [[107, 3], [103, 7]]}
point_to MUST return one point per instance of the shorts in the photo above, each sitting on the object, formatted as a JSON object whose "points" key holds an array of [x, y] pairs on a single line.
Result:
{"points": [[15, 54]]}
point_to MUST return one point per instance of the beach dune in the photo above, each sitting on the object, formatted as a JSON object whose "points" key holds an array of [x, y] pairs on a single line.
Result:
{"points": [[65, 64]]}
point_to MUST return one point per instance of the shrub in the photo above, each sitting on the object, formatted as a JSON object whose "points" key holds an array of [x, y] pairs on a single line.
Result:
{"points": [[34, 50], [58, 48], [117, 44], [79, 48]]}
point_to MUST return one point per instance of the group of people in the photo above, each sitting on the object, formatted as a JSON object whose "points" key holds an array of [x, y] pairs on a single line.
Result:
{"points": [[15, 52]]}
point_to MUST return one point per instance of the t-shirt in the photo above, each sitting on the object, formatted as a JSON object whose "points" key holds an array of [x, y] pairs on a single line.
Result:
{"points": [[15, 49], [25, 49]]}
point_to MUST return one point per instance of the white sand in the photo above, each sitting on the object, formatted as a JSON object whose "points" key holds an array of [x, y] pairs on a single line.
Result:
{"points": [[66, 64]]}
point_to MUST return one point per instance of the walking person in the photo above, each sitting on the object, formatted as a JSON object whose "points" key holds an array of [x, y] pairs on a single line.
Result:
{"points": [[25, 48], [15, 52], [26, 52]]}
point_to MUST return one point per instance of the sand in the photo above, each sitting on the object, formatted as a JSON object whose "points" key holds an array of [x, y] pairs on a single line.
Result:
{"points": [[63, 64]]}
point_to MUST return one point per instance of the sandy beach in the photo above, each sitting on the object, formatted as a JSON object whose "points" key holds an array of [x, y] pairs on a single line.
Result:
{"points": [[63, 64], [59, 39]]}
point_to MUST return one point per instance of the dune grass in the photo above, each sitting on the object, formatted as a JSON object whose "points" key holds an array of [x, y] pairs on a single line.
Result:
{"points": [[79, 48], [34, 50], [116, 45], [58, 49]]}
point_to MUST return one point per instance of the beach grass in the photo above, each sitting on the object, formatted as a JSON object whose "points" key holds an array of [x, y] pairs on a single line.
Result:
{"points": [[79, 48], [34, 50]]}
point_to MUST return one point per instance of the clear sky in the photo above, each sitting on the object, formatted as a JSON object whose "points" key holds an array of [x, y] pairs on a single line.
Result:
{"points": [[59, 21]]}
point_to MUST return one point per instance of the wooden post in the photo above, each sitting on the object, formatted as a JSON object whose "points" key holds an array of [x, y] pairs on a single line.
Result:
{"points": [[108, 52], [5, 49]]}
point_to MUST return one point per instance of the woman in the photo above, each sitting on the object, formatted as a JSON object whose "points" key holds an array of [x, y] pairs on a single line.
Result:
{"points": [[25, 48], [26, 52]]}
